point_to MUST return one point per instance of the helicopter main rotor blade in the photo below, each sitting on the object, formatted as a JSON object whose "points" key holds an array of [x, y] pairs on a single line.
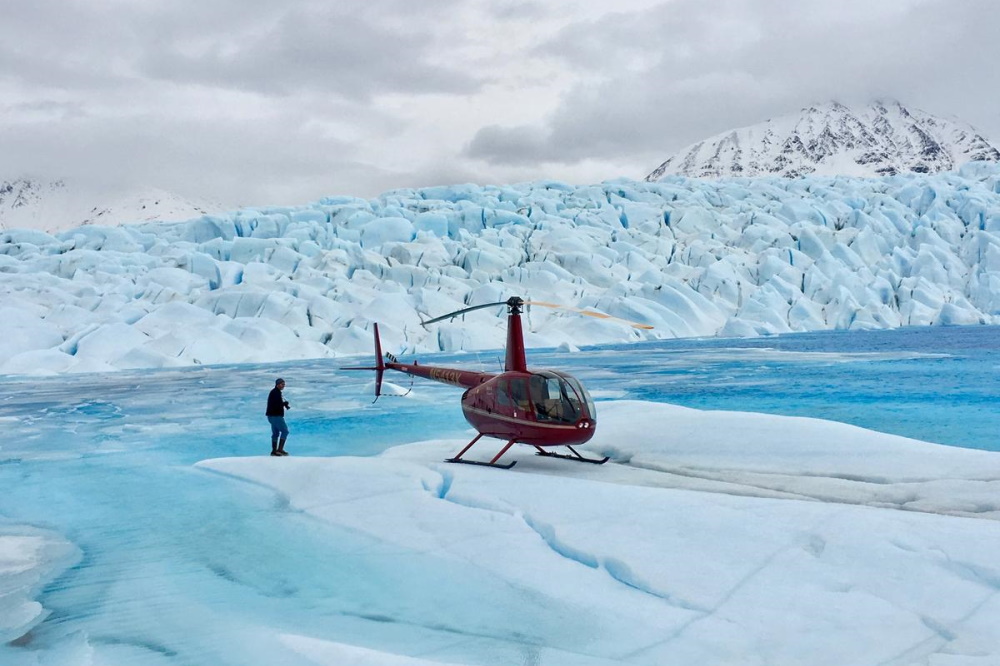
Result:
{"points": [[591, 313], [517, 303], [457, 313]]}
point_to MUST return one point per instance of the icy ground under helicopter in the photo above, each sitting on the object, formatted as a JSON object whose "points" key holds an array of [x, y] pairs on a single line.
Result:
{"points": [[539, 408]]}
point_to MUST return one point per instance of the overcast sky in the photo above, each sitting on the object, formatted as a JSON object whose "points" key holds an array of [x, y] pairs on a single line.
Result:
{"points": [[262, 102]]}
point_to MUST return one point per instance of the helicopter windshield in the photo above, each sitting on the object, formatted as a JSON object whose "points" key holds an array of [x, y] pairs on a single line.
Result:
{"points": [[578, 387], [557, 397]]}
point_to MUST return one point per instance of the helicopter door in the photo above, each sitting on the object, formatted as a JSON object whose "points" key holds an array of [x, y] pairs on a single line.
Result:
{"points": [[512, 397]]}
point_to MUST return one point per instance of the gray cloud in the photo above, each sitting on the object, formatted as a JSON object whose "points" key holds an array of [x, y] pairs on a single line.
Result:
{"points": [[212, 160], [256, 101], [237, 99], [518, 9], [313, 48], [655, 81], [264, 47]]}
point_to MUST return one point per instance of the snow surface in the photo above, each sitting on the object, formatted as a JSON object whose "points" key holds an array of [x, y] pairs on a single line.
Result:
{"points": [[691, 258], [712, 538]]}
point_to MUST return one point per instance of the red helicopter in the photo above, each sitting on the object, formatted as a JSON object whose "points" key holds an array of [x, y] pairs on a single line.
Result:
{"points": [[540, 408]]}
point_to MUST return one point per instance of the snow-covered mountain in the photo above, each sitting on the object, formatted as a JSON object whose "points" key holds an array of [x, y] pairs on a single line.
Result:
{"points": [[690, 257], [57, 204], [879, 139]]}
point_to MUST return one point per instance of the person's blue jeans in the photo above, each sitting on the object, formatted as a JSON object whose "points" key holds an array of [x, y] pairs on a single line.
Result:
{"points": [[278, 428]]}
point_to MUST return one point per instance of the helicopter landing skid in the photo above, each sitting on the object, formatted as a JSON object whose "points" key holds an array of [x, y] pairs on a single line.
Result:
{"points": [[492, 463], [481, 464], [575, 457]]}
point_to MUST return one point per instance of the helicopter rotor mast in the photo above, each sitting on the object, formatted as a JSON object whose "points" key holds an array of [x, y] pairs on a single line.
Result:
{"points": [[515, 360]]}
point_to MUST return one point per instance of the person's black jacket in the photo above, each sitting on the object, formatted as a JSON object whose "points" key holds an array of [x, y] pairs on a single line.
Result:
{"points": [[275, 404]]}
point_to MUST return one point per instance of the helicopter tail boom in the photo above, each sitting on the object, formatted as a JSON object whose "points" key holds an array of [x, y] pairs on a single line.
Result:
{"points": [[454, 377]]}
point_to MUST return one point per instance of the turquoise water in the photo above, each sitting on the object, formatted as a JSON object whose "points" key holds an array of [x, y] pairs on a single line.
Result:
{"points": [[939, 384], [179, 565]]}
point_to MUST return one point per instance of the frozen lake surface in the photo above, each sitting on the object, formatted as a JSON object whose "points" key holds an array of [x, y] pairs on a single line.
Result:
{"points": [[176, 564]]}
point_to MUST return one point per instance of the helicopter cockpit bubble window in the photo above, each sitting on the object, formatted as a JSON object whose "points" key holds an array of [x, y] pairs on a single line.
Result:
{"points": [[557, 397]]}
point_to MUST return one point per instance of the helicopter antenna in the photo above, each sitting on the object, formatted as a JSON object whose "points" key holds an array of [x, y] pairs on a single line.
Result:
{"points": [[409, 389]]}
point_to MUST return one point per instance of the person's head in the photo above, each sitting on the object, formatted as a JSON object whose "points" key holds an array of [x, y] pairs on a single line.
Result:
{"points": [[279, 383]]}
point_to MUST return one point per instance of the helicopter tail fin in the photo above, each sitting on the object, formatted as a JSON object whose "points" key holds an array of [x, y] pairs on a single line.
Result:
{"points": [[379, 366]]}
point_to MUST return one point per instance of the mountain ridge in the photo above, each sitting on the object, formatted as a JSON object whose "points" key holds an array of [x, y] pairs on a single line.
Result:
{"points": [[44, 204], [879, 139]]}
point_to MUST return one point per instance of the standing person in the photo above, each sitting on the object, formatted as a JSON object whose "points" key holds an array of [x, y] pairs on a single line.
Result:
{"points": [[276, 406]]}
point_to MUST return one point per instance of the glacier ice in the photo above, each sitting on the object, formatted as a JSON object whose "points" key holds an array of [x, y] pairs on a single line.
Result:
{"points": [[735, 257], [761, 539], [29, 559]]}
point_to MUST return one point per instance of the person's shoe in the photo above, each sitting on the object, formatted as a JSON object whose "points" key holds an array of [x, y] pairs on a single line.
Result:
{"points": [[276, 453], [282, 452]]}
